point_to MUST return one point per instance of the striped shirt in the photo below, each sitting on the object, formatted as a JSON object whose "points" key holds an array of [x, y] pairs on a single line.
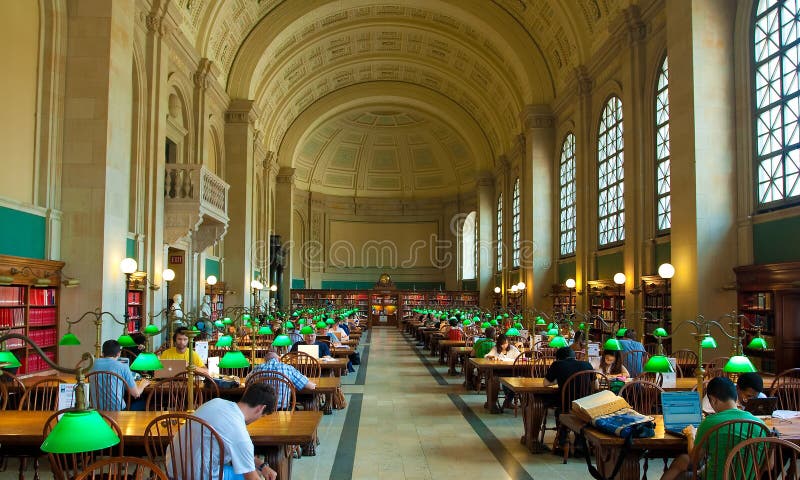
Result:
{"points": [[111, 387], [298, 379]]}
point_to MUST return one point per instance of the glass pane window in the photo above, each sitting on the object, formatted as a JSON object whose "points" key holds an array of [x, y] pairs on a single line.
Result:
{"points": [[567, 212], [610, 175], [500, 232], [663, 200], [515, 228]]}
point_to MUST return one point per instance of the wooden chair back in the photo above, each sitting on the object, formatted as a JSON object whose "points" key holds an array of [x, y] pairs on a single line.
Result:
{"points": [[15, 389], [305, 363], [687, 360], [643, 396], [3, 396], [540, 366], [523, 366], [171, 394], [184, 446], [720, 439], [786, 387], [768, 458], [210, 387], [285, 394], [122, 468], [295, 337], [715, 367], [581, 384], [651, 377], [41, 396], [651, 348], [236, 372], [68, 465], [107, 390]]}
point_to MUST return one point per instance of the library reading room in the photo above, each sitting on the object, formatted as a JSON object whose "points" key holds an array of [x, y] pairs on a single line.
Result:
{"points": [[400, 239]]}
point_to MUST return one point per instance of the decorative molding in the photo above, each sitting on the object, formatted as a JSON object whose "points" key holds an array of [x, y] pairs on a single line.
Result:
{"points": [[583, 80], [285, 176], [202, 74], [537, 116], [241, 112]]}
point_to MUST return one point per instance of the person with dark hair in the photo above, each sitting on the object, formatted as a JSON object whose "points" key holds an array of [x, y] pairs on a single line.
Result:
{"points": [[750, 385], [611, 364], [503, 350], [272, 363], [112, 388], [578, 341], [230, 420], [180, 351], [311, 339], [635, 361], [721, 394], [141, 344], [483, 345], [564, 367]]}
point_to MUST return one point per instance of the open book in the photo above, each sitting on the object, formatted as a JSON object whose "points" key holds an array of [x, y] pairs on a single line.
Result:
{"points": [[600, 403]]}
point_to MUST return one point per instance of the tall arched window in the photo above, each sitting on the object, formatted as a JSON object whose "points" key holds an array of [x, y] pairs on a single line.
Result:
{"points": [[515, 229], [567, 214], [777, 106], [468, 248], [610, 175], [500, 232], [663, 200]]}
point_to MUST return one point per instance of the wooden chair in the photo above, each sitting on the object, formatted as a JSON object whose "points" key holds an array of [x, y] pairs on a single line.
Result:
{"points": [[41, 396], [651, 348], [722, 438], [686, 360], [210, 387], [3, 396], [643, 396], [773, 459], [192, 445], [786, 387], [578, 385], [236, 372], [580, 355], [305, 363], [114, 390], [171, 394], [715, 367], [68, 465], [14, 388], [285, 394], [651, 377], [122, 468]]}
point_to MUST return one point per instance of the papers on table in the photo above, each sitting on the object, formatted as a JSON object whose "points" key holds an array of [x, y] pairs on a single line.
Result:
{"points": [[785, 414]]}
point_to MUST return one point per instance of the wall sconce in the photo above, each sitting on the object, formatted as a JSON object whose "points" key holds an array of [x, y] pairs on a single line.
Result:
{"points": [[168, 275], [497, 290], [41, 277]]}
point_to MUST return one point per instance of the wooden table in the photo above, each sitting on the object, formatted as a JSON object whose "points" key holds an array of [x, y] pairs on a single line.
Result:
{"points": [[458, 356], [433, 342], [21, 431], [491, 369], [341, 352], [444, 348], [535, 398]]}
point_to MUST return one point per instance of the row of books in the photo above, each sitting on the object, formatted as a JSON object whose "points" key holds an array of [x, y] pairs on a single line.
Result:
{"points": [[134, 297], [43, 296], [761, 300], [11, 317], [45, 337], [36, 364], [39, 317], [766, 321], [608, 302], [657, 301], [12, 296], [15, 342]]}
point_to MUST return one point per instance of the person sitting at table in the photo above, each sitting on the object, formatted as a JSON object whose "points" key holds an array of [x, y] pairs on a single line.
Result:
{"points": [[629, 343], [311, 339], [112, 388], [180, 351], [611, 364], [722, 395], [750, 385], [558, 372], [272, 363], [484, 344], [503, 350], [578, 342], [343, 326], [230, 420]]}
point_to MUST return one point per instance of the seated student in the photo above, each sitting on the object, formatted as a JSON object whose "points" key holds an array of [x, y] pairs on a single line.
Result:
{"points": [[750, 385], [180, 351], [272, 363], [503, 350], [611, 364], [344, 327], [578, 343], [112, 388], [484, 344], [564, 367], [311, 339], [722, 396], [633, 363]]}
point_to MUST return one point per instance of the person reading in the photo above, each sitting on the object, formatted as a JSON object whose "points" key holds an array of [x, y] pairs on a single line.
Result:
{"points": [[180, 351], [112, 388], [611, 365], [272, 363]]}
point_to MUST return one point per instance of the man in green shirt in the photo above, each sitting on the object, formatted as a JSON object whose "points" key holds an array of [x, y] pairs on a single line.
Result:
{"points": [[484, 345], [721, 393]]}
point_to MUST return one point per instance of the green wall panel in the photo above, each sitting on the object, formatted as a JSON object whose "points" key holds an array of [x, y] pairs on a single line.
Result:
{"points": [[777, 241], [663, 253], [367, 285], [566, 270], [130, 248], [212, 268], [298, 283], [469, 285], [608, 265], [24, 233]]}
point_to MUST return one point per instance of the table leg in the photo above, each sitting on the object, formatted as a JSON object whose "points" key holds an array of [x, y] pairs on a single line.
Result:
{"points": [[533, 413], [280, 460], [451, 364], [492, 390], [327, 408], [468, 375], [442, 353], [606, 458]]}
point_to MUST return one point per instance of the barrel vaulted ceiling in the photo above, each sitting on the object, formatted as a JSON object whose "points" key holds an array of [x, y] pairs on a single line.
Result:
{"points": [[338, 83]]}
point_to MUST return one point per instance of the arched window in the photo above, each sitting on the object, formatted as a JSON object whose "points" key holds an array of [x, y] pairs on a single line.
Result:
{"points": [[468, 248], [610, 175], [515, 225], [663, 200], [500, 232], [777, 106], [567, 214]]}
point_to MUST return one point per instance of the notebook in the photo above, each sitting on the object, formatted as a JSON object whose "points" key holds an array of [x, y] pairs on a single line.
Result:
{"points": [[171, 368], [680, 410], [761, 406], [312, 350]]}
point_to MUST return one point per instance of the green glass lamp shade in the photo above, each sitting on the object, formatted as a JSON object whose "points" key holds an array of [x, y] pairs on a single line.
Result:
{"points": [[330, 321], [739, 364], [505, 315], [621, 332], [658, 364], [582, 326], [498, 318], [467, 322], [246, 317], [306, 330], [227, 321], [540, 321], [558, 341], [518, 326], [126, 341], [234, 359], [612, 344], [295, 314], [289, 325], [69, 434], [302, 321], [246, 323], [265, 330], [486, 325], [552, 331], [757, 343], [708, 342], [552, 325], [494, 323], [219, 324], [146, 361], [282, 341], [476, 319], [9, 359], [69, 338], [660, 332], [224, 341], [320, 325], [151, 329], [512, 332]]}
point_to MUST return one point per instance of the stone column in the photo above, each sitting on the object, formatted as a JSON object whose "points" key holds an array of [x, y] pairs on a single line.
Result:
{"points": [[537, 205], [585, 170], [703, 153], [284, 203], [96, 161], [239, 143], [485, 224]]}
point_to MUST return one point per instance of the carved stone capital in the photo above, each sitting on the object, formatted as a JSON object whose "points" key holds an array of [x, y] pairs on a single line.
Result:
{"points": [[202, 74], [285, 175], [241, 111], [485, 181], [537, 116], [583, 80], [634, 29]]}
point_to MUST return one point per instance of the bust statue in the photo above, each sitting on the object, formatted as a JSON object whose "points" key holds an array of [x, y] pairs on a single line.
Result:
{"points": [[176, 310]]}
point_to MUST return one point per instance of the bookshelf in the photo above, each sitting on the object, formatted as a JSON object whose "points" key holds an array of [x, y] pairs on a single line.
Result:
{"points": [[563, 298], [657, 302], [607, 300], [215, 298], [383, 309], [29, 306], [769, 296]]}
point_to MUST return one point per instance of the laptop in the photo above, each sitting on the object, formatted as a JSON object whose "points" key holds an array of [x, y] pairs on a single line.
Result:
{"points": [[171, 368], [680, 409], [312, 350], [761, 406]]}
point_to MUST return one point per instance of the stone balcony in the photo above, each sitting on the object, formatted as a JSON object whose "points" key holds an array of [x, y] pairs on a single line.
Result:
{"points": [[195, 206]]}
